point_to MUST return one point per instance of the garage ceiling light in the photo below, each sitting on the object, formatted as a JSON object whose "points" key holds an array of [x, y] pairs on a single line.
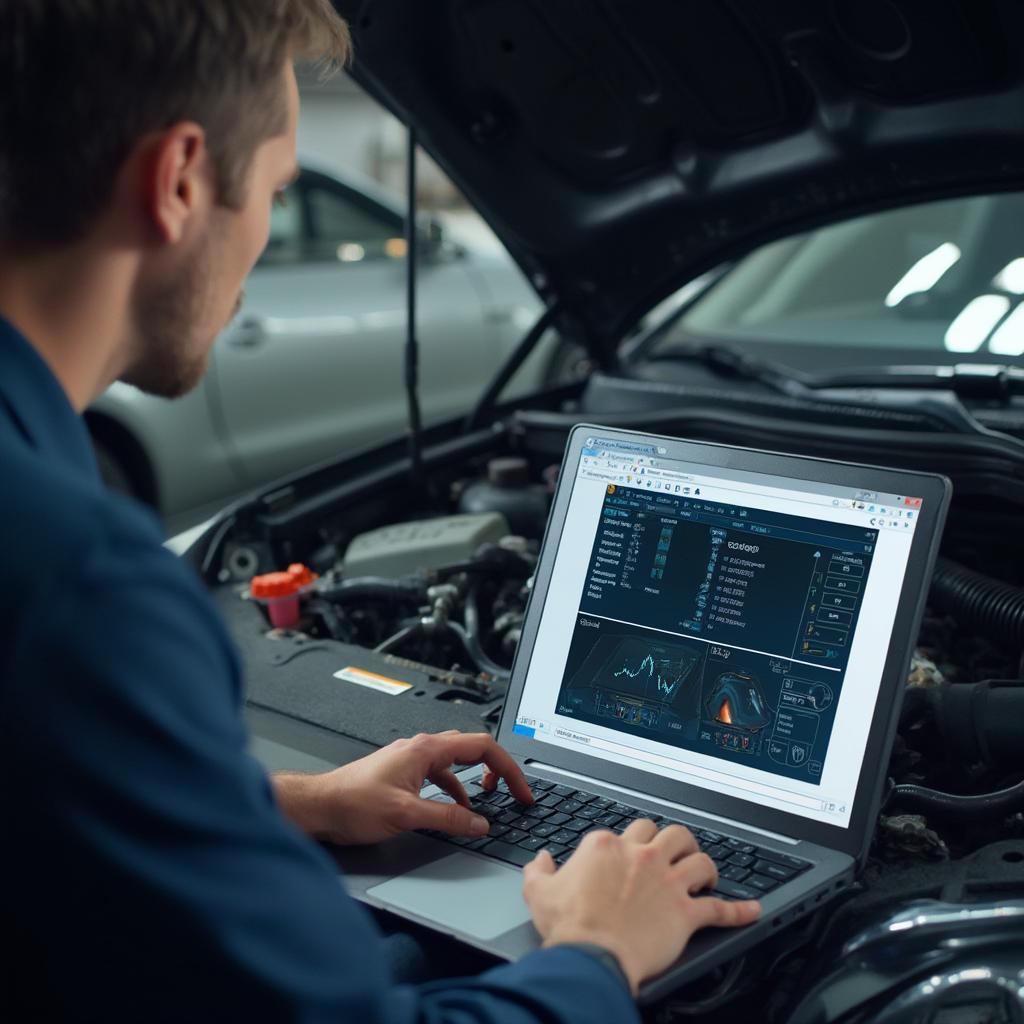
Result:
{"points": [[925, 274]]}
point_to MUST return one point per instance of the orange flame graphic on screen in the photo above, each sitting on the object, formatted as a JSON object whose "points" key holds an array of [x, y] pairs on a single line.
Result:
{"points": [[725, 712]]}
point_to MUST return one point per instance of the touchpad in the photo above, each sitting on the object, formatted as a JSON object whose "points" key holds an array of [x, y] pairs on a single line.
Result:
{"points": [[461, 893]]}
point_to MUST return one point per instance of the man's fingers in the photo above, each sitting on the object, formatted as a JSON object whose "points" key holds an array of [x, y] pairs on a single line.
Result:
{"points": [[697, 872], [642, 831], [676, 841], [711, 912], [541, 865], [474, 748], [453, 819], [447, 780]]}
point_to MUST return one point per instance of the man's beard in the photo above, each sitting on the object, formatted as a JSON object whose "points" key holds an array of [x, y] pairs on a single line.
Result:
{"points": [[171, 355]]}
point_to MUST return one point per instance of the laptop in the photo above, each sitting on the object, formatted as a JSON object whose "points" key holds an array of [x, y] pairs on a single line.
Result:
{"points": [[716, 636]]}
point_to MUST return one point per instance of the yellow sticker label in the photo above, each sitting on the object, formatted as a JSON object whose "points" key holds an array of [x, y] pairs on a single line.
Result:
{"points": [[375, 682]]}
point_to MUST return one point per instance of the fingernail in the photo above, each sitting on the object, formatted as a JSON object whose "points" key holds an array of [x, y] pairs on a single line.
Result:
{"points": [[478, 825]]}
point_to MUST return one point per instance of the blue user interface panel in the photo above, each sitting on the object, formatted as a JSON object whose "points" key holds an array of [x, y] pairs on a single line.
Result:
{"points": [[721, 630]]}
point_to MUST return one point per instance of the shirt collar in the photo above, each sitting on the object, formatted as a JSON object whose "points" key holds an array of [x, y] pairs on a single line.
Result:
{"points": [[38, 409]]}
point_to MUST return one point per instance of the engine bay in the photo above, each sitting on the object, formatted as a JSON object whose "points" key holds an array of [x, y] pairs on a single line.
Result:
{"points": [[412, 596]]}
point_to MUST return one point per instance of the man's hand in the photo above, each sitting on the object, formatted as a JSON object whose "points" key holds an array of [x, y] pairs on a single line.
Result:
{"points": [[631, 894], [377, 796]]}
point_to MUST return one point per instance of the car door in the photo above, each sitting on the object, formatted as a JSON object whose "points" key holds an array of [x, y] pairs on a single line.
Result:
{"points": [[313, 364]]}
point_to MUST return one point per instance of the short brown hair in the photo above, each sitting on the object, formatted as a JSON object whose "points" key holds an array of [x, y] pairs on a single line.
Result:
{"points": [[81, 81]]}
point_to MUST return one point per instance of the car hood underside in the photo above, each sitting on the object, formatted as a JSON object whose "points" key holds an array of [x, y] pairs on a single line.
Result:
{"points": [[622, 147]]}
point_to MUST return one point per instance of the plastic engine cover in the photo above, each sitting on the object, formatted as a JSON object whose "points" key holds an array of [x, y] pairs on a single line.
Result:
{"points": [[403, 548]]}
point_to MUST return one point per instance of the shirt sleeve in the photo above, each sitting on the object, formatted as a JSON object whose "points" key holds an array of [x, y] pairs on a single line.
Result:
{"points": [[153, 869]]}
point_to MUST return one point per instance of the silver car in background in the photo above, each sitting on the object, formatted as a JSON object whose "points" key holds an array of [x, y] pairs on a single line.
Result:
{"points": [[312, 367]]}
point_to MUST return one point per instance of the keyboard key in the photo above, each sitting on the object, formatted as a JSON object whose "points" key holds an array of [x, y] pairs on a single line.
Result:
{"points": [[539, 812], [497, 830], [514, 835], [601, 802], [709, 837], [557, 851], [488, 812], [540, 784], [773, 870], [533, 843], [592, 811], [544, 830], [550, 800], [622, 810], [581, 797], [783, 858], [717, 852], [735, 891], [562, 790], [761, 883], [570, 806], [741, 847], [608, 820], [578, 824], [508, 853], [524, 823], [741, 860], [558, 818], [734, 873], [507, 817], [469, 842], [563, 837]]}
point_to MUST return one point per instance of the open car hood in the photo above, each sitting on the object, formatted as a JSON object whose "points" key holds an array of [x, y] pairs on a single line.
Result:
{"points": [[620, 148]]}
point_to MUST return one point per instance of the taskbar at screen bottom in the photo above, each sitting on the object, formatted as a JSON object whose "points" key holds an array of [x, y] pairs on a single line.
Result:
{"points": [[829, 810]]}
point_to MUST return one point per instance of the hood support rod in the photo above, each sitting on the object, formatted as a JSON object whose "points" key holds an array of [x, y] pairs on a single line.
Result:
{"points": [[412, 351], [511, 365]]}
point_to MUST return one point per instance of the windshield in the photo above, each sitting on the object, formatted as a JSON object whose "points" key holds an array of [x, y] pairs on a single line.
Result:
{"points": [[939, 282]]}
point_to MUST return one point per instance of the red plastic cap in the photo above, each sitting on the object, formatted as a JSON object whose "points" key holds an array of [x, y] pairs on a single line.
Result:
{"points": [[275, 584], [303, 575]]}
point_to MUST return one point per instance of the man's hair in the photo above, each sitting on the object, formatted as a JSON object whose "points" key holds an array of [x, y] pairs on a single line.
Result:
{"points": [[82, 81]]}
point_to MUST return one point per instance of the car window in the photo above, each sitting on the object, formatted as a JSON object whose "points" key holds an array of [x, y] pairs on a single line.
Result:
{"points": [[349, 227], [945, 277]]}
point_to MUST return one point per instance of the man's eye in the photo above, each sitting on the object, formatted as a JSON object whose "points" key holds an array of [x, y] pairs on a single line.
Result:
{"points": [[281, 198]]}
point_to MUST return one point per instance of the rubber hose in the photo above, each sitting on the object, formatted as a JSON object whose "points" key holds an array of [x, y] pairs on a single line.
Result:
{"points": [[474, 649], [981, 722], [986, 805], [375, 588], [993, 608]]}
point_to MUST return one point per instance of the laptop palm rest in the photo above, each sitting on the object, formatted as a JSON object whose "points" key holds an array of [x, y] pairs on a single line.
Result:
{"points": [[460, 893]]}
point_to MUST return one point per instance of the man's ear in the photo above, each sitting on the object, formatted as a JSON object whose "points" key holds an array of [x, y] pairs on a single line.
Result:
{"points": [[176, 180]]}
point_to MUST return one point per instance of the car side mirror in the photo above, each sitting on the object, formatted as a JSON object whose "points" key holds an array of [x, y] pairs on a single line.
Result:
{"points": [[432, 238]]}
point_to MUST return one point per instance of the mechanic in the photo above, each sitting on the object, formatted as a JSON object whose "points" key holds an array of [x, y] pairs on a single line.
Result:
{"points": [[150, 868]]}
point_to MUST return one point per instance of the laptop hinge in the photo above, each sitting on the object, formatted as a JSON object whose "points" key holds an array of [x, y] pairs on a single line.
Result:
{"points": [[667, 804]]}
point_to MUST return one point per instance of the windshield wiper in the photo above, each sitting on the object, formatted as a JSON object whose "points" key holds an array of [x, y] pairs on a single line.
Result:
{"points": [[965, 380]]}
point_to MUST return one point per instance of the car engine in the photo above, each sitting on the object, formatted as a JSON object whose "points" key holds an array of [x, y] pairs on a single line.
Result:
{"points": [[420, 591]]}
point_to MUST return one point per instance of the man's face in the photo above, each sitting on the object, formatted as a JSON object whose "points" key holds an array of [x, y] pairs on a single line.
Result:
{"points": [[178, 316]]}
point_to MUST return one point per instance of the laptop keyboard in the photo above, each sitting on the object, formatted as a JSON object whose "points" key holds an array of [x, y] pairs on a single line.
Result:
{"points": [[561, 816]]}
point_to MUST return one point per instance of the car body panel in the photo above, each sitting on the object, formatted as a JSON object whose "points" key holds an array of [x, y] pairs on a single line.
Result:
{"points": [[313, 365]]}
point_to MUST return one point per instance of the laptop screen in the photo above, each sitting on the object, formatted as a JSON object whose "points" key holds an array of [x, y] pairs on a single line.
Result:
{"points": [[723, 628]]}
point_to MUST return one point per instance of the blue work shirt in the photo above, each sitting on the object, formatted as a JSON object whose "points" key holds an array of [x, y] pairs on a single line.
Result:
{"points": [[147, 872]]}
